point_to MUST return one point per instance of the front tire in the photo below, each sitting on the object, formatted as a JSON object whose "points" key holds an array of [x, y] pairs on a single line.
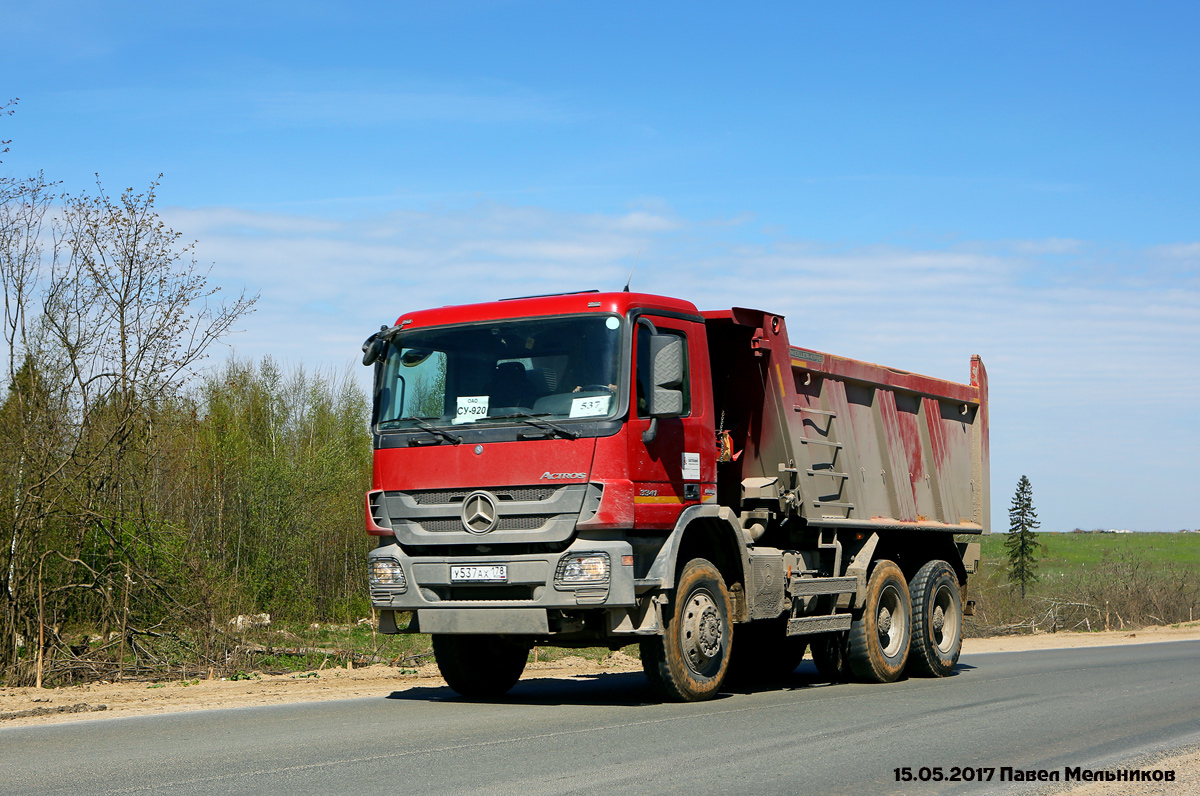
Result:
{"points": [[480, 666], [689, 661], [937, 620], [879, 638]]}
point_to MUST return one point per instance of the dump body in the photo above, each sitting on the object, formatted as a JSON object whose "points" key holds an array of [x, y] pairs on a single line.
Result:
{"points": [[856, 444]]}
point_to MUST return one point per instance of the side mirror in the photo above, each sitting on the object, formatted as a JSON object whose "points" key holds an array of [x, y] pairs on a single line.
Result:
{"points": [[373, 349], [667, 367], [666, 376]]}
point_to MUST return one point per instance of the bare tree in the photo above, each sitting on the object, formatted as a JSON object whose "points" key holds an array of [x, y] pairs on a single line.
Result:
{"points": [[26, 415], [109, 327], [7, 110]]}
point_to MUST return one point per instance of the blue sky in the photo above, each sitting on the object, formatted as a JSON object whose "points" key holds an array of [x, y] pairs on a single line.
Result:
{"points": [[909, 184]]}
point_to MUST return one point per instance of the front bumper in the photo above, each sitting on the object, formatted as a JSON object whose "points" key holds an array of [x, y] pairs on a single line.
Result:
{"points": [[530, 584]]}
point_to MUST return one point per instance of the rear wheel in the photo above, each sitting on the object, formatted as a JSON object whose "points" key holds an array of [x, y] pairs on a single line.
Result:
{"points": [[937, 620], [829, 654], [764, 653], [480, 666], [879, 638], [688, 663]]}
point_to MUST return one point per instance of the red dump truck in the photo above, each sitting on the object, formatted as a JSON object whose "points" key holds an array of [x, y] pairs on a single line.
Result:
{"points": [[600, 469]]}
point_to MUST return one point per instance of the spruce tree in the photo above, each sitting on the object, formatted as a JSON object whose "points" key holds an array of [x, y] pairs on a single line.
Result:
{"points": [[1022, 543]]}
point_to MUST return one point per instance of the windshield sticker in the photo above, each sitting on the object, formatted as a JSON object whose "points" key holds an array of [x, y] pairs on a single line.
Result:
{"points": [[471, 408], [591, 406], [612, 323]]}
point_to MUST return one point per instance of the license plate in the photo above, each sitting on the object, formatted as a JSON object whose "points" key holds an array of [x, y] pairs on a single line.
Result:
{"points": [[496, 573]]}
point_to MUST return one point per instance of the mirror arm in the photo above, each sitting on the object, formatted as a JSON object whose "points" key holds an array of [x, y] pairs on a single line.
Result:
{"points": [[650, 433], [370, 349]]}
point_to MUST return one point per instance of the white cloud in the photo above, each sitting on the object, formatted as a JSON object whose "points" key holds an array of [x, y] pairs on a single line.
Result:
{"points": [[1094, 356], [1178, 251]]}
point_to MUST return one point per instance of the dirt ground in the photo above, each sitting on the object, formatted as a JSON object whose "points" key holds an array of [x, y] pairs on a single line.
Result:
{"points": [[1184, 762], [26, 706]]}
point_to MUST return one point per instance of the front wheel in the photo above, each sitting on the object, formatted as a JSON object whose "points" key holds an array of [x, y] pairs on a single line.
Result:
{"points": [[937, 620], [480, 666], [689, 661], [879, 638]]}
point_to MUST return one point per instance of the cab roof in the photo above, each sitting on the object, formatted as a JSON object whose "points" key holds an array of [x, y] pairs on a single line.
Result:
{"points": [[540, 306]]}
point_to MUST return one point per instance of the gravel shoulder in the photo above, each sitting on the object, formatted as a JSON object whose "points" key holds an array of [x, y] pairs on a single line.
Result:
{"points": [[1184, 762], [30, 706]]}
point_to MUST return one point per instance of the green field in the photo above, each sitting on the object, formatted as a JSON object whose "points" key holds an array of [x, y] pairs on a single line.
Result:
{"points": [[1068, 553], [1087, 581]]}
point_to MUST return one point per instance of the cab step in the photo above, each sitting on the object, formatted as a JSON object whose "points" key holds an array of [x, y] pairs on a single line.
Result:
{"points": [[808, 587], [807, 625]]}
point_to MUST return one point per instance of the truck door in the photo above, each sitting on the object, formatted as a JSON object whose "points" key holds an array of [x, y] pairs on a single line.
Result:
{"points": [[666, 472]]}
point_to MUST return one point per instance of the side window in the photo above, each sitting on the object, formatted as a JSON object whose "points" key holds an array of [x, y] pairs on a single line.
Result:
{"points": [[642, 382], [421, 381]]}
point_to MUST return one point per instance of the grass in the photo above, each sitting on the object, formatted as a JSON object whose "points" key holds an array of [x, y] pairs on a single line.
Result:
{"points": [[1086, 581], [301, 649], [594, 654], [356, 643], [1067, 553], [293, 647]]}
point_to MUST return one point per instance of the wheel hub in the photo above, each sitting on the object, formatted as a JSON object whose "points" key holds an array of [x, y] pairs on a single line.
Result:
{"points": [[885, 621], [703, 631], [946, 620], [890, 622]]}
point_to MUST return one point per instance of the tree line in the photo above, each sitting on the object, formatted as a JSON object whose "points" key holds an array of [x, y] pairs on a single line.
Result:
{"points": [[140, 494]]}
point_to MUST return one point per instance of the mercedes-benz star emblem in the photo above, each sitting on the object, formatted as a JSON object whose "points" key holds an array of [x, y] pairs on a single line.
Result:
{"points": [[479, 513]]}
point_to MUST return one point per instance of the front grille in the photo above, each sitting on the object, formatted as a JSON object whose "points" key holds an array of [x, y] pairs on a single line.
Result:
{"points": [[521, 523], [505, 524], [449, 497], [524, 493], [529, 513], [378, 515], [438, 497]]}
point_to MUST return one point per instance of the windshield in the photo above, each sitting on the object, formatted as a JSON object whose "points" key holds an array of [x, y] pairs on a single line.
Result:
{"points": [[501, 372]]}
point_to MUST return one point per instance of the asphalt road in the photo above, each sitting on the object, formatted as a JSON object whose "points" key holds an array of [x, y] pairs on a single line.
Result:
{"points": [[1031, 710]]}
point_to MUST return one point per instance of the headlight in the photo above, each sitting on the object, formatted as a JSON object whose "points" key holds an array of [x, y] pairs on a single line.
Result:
{"points": [[386, 573], [580, 569]]}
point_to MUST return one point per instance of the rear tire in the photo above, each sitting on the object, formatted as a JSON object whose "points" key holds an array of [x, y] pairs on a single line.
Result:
{"points": [[937, 620], [764, 653], [480, 666], [689, 661], [879, 638], [829, 654]]}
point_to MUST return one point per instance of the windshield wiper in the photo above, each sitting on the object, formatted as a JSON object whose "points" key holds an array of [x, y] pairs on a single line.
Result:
{"points": [[432, 429], [535, 421]]}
